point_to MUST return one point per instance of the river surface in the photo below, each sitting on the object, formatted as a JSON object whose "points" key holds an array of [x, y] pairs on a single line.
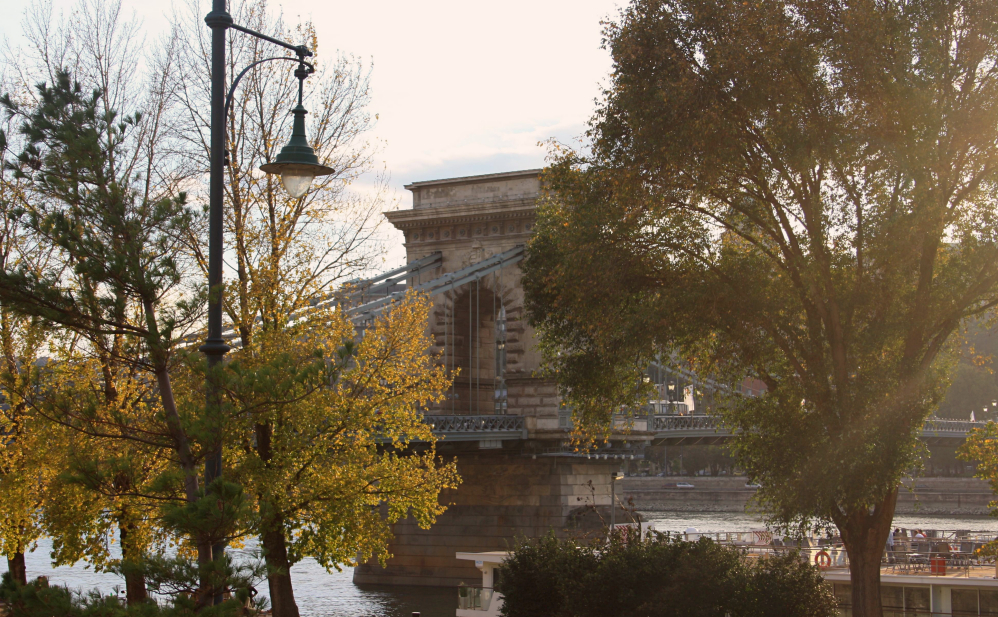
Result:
{"points": [[324, 594]]}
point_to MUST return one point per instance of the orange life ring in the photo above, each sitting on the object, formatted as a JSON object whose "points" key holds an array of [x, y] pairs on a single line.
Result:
{"points": [[822, 559]]}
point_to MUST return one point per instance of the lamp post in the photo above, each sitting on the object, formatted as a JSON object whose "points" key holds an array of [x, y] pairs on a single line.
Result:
{"points": [[616, 475], [297, 164]]}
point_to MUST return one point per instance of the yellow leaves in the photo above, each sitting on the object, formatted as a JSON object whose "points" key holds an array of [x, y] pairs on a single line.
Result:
{"points": [[328, 418], [981, 448], [28, 459]]}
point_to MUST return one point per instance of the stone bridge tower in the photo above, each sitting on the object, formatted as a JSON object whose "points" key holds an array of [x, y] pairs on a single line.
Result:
{"points": [[501, 421], [480, 326]]}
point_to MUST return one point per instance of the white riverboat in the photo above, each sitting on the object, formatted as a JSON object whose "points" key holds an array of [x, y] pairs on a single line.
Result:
{"points": [[481, 601], [942, 575]]}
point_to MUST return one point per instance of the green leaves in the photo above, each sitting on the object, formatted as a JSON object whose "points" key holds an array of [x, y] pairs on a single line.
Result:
{"points": [[119, 245], [321, 427], [800, 191], [658, 577]]}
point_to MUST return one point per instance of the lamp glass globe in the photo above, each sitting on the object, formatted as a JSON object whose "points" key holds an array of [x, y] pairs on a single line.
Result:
{"points": [[296, 181]]}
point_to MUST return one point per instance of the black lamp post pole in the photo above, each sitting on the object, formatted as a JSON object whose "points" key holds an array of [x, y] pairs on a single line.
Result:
{"points": [[298, 154], [219, 21], [214, 347]]}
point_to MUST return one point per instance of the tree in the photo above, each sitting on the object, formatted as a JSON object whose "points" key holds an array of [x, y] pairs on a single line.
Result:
{"points": [[102, 195], [128, 169], [118, 466], [115, 280], [657, 577], [29, 452], [981, 448], [26, 465], [803, 192], [974, 386], [331, 439]]}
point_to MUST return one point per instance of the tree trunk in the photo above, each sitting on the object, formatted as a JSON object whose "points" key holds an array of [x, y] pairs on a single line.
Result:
{"points": [[282, 595], [275, 548], [135, 578], [864, 573], [181, 443], [187, 463], [15, 565], [864, 534]]}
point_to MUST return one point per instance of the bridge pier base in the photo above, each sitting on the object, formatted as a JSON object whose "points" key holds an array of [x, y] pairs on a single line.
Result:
{"points": [[503, 496]]}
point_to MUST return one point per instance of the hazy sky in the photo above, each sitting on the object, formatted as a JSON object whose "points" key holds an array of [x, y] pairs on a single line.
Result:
{"points": [[461, 88]]}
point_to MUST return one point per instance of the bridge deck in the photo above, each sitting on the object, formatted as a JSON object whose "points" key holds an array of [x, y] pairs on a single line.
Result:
{"points": [[474, 428], [667, 430], [708, 430]]}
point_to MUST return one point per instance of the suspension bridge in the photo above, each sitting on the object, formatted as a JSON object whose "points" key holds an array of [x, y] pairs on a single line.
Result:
{"points": [[504, 424]]}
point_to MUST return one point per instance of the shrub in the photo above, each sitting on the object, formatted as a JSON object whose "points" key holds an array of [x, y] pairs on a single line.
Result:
{"points": [[661, 576], [39, 599]]}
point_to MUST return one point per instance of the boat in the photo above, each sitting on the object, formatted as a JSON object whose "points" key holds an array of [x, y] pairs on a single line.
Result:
{"points": [[942, 575], [482, 601]]}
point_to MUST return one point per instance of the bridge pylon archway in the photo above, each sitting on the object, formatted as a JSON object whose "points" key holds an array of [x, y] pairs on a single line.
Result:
{"points": [[501, 420], [469, 328]]}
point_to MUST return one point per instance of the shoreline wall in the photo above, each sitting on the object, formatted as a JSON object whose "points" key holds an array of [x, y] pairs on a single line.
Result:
{"points": [[936, 496]]}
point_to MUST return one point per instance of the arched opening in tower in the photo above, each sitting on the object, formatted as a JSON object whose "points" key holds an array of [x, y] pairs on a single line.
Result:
{"points": [[475, 349]]}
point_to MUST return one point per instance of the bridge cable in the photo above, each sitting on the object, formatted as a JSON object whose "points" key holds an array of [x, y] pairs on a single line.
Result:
{"points": [[504, 394], [453, 356], [471, 351], [495, 339], [478, 363], [448, 351]]}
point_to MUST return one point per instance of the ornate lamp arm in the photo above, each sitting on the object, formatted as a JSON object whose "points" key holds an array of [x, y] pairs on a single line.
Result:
{"points": [[301, 50], [232, 89]]}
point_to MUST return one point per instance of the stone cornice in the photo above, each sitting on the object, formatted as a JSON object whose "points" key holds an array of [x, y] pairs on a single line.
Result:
{"points": [[464, 213], [506, 175]]}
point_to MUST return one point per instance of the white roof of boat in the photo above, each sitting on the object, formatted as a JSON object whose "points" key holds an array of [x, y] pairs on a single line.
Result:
{"points": [[487, 557], [957, 578]]}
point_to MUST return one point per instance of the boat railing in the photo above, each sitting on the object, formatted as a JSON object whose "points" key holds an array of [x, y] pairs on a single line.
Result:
{"points": [[765, 537], [829, 557], [941, 559], [474, 598], [941, 552]]}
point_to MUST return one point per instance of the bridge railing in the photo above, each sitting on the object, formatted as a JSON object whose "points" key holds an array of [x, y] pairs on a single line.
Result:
{"points": [[709, 422], [686, 423], [510, 424], [939, 425], [474, 424]]}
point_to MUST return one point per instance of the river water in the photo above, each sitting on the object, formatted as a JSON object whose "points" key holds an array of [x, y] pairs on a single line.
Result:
{"points": [[324, 594]]}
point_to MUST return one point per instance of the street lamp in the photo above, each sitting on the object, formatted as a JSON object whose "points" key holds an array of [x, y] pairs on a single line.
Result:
{"points": [[613, 498], [297, 164]]}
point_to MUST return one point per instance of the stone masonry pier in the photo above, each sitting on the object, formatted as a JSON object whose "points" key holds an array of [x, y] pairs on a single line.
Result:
{"points": [[502, 497], [519, 478]]}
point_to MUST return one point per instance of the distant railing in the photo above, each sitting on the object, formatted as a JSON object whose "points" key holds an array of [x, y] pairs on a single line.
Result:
{"points": [[474, 424], [496, 424], [939, 425], [705, 422], [687, 423]]}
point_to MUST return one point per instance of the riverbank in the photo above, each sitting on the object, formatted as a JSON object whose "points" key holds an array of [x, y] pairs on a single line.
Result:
{"points": [[333, 594], [928, 496]]}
